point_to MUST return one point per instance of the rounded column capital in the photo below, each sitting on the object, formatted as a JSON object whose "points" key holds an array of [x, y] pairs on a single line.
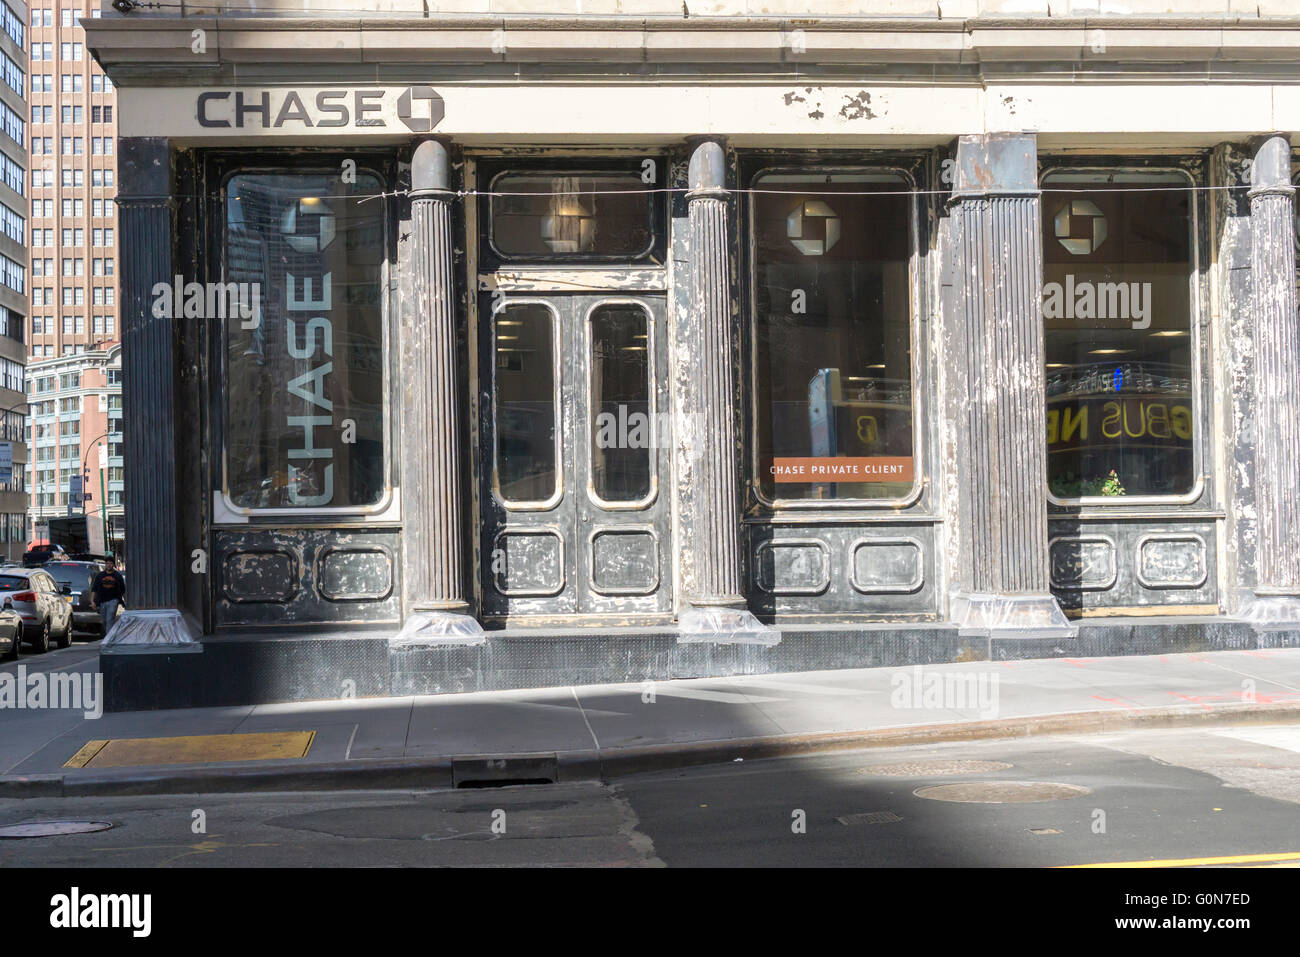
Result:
{"points": [[707, 172], [430, 169], [1270, 166]]}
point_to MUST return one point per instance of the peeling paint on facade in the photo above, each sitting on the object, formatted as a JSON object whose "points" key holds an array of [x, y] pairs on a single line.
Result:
{"points": [[456, 531]]}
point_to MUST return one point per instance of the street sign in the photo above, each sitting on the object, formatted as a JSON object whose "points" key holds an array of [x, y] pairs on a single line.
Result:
{"points": [[74, 494]]}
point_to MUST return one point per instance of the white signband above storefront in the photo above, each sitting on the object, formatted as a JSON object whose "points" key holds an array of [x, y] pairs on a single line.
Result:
{"points": [[1087, 114]]}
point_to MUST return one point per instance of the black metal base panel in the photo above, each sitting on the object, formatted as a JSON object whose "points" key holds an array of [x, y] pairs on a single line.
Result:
{"points": [[254, 669]]}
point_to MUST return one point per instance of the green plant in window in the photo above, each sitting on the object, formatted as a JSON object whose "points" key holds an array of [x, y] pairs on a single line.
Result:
{"points": [[1069, 485]]}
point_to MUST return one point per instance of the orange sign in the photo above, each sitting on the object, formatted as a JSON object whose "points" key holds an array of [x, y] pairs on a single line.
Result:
{"points": [[820, 470]]}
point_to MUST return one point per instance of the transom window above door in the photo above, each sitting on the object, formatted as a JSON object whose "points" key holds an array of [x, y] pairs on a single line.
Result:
{"points": [[574, 214]]}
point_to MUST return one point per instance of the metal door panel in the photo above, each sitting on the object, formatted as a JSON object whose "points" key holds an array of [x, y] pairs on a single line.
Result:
{"points": [[570, 552]]}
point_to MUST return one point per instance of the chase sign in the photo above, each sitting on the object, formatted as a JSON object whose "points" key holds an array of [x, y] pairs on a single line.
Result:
{"points": [[415, 109]]}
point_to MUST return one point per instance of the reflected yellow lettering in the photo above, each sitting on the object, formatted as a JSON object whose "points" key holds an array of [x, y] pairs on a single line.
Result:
{"points": [[1110, 422], [1141, 417], [1181, 421], [1158, 420], [868, 431], [1076, 423]]}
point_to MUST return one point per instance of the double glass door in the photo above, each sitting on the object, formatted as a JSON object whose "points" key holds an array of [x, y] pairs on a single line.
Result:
{"points": [[574, 453]]}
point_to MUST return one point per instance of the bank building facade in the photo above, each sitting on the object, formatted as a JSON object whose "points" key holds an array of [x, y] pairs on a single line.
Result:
{"points": [[490, 345]]}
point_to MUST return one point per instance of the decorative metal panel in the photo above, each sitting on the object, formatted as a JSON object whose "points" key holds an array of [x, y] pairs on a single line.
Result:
{"points": [[792, 566], [882, 566]]}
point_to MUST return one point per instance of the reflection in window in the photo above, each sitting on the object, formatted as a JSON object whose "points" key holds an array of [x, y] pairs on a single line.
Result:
{"points": [[573, 214], [832, 336], [1118, 321], [524, 380], [622, 426], [304, 342]]}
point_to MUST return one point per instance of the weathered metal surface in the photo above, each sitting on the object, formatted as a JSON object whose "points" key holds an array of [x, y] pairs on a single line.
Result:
{"points": [[1113, 566], [573, 557], [145, 200], [1001, 443], [712, 535], [1277, 367], [842, 571], [433, 509], [575, 280], [1234, 385], [286, 576]]}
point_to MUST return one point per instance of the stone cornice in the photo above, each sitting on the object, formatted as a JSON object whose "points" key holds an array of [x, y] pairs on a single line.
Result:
{"points": [[135, 44]]}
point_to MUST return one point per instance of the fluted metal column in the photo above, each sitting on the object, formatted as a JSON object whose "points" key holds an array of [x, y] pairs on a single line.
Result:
{"points": [[431, 413], [145, 200], [1277, 368], [714, 538], [998, 337]]}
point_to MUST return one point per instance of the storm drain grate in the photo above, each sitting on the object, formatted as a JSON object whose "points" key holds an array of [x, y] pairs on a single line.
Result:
{"points": [[52, 828], [870, 817], [928, 769], [479, 771]]}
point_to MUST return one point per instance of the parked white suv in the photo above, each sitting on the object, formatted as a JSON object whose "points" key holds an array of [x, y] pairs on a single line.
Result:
{"points": [[41, 603]]}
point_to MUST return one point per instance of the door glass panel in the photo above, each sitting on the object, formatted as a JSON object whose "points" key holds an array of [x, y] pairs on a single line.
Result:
{"points": [[571, 214], [525, 402], [622, 426]]}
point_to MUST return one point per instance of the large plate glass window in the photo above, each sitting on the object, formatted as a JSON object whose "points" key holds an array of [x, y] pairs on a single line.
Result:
{"points": [[833, 335], [1119, 334], [572, 215], [304, 358]]}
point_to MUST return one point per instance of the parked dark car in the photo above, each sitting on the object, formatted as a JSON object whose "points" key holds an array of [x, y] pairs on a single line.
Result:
{"points": [[74, 579], [36, 557]]}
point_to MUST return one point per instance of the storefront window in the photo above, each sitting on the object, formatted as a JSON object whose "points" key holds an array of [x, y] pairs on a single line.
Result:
{"points": [[304, 342], [566, 215], [832, 335], [523, 382], [1117, 313], [622, 427]]}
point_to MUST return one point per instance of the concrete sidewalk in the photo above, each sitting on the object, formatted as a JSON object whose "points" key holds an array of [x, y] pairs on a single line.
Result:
{"points": [[607, 730]]}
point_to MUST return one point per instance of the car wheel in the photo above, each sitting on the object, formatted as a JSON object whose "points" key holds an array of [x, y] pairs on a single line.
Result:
{"points": [[65, 639], [42, 643]]}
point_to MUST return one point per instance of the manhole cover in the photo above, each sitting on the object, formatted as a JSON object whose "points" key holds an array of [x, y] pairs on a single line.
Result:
{"points": [[926, 769], [1000, 792], [52, 828]]}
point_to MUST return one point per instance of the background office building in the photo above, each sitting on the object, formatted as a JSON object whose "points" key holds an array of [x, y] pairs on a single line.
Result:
{"points": [[74, 330], [76, 424], [13, 276], [604, 348]]}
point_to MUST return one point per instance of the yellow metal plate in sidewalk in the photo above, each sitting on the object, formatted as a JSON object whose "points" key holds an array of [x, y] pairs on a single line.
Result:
{"points": [[193, 749]]}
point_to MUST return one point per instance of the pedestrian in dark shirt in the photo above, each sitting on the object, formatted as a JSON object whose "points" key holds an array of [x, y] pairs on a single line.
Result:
{"points": [[107, 590]]}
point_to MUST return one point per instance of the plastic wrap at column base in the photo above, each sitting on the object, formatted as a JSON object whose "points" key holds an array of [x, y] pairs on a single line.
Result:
{"points": [[434, 629], [1269, 612], [1011, 616], [146, 630], [725, 626]]}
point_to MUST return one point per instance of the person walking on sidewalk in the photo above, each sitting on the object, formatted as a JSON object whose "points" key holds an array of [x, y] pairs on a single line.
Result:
{"points": [[107, 590]]}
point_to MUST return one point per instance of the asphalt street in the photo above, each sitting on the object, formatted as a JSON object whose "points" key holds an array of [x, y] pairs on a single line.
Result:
{"points": [[1175, 798]]}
